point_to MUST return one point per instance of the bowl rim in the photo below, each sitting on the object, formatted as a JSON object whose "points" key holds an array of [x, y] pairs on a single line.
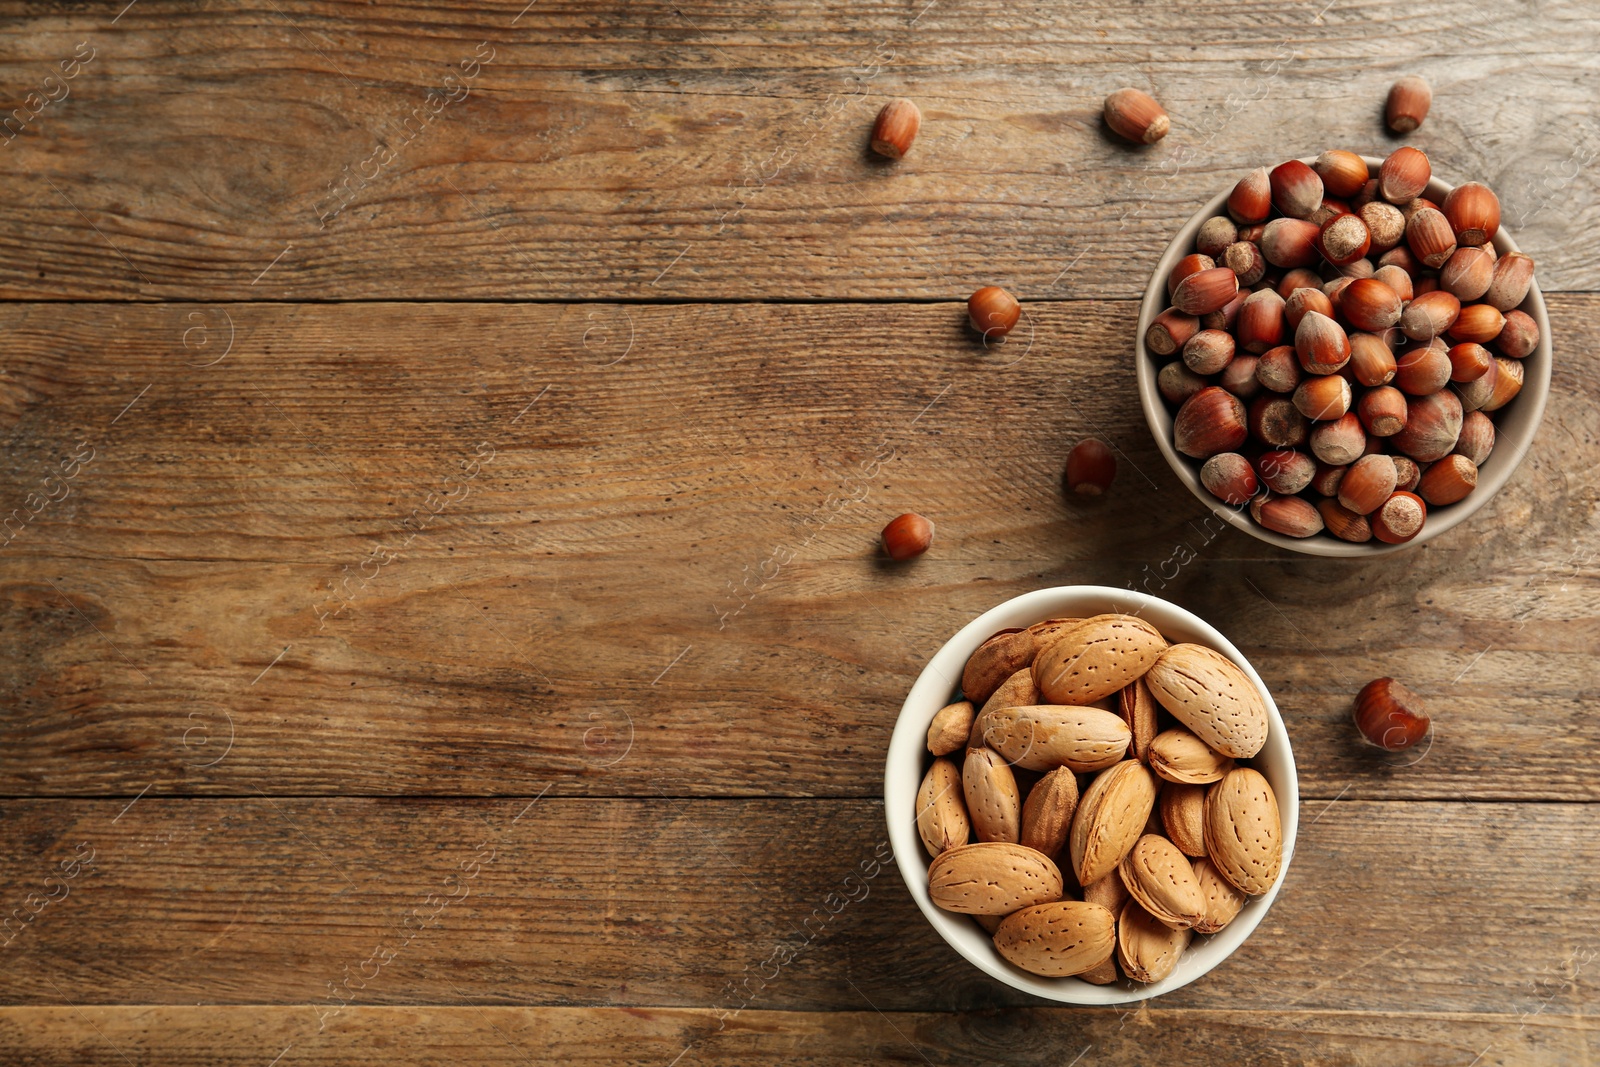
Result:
{"points": [[935, 687], [1529, 403]]}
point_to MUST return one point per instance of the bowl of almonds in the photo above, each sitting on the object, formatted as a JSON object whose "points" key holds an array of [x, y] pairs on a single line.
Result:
{"points": [[1091, 795], [1345, 355]]}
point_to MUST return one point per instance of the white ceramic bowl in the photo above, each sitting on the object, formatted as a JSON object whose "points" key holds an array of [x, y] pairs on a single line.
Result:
{"points": [[1515, 424], [908, 762]]}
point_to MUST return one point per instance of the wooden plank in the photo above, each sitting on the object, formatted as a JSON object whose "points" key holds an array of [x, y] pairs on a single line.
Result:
{"points": [[704, 150], [727, 905], [428, 549], [445, 1036]]}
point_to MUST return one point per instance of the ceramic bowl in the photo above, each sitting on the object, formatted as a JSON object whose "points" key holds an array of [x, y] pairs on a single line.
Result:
{"points": [[908, 760]]}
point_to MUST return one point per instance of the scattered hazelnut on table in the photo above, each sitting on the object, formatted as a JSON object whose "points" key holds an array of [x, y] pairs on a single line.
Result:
{"points": [[1091, 467], [896, 128], [907, 536], [1409, 100], [1390, 715], [1135, 116], [993, 311]]}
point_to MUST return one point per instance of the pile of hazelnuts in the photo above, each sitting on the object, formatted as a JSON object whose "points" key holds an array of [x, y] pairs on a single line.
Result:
{"points": [[1340, 344]]}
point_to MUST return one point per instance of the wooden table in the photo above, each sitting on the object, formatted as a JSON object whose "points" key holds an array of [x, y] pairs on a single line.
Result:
{"points": [[445, 449]]}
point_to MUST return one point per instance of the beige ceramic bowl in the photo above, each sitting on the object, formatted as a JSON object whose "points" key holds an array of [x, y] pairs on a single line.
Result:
{"points": [[908, 762], [1515, 424]]}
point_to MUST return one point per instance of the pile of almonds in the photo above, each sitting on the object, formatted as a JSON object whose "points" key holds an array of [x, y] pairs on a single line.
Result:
{"points": [[1103, 784], [1340, 345]]}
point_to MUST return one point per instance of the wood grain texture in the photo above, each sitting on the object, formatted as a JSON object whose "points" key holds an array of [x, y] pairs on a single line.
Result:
{"points": [[492, 1035], [440, 549], [699, 150], [729, 905]]}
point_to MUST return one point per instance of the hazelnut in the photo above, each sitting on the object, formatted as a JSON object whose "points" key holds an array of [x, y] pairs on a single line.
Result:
{"points": [[1178, 383], [1367, 484], [1430, 237], [1275, 421], [1205, 291], [1371, 360], [1519, 335], [896, 127], [1170, 331], [1091, 467], [907, 536], [1323, 397], [1422, 370], [1339, 442], [1385, 224], [1229, 477], [1429, 315], [1345, 238], [1477, 437], [1390, 715], [1278, 369], [1296, 189], [1404, 175], [1239, 377], [1290, 242], [1466, 275], [1288, 515], [1251, 199], [1326, 480], [1473, 212], [1190, 264], [1432, 425], [1342, 173], [1382, 411], [1245, 260], [1395, 278], [1303, 300], [1286, 471], [1478, 323], [1408, 103], [1507, 383], [1370, 305], [1209, 351], [1298, 278], [1215, 235], [1407, 473], [1223, 318], [1135, 116], [1210, 421], [1448, 480], [1343, 523], [993, 312], [1259, 326], [1509, 285], [1399, 519], [1321, 343]]}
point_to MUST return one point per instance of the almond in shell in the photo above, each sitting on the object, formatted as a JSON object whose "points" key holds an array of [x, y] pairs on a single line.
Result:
{"points": [[1147, 948], [993, 878], [1244, 832], [1092, 659], [941, 813], [1108, 892], [1064, 938], [1110, 818], [1043, 736], [993, 803], [1162, 880], [950, 727], [995, 660], [1047, 813], [1015, 692], [1183, 817], [1179, 756], [1222, 900], [1138, 709], [1102, 973], [1209, 693]]}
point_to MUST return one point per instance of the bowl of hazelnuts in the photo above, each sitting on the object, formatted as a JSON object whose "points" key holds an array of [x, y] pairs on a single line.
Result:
{"points": [[1344, 355]]}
